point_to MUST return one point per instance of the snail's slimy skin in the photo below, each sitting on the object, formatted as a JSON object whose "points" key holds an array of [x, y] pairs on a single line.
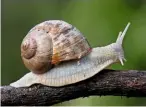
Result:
{"points": [[71, 72]]}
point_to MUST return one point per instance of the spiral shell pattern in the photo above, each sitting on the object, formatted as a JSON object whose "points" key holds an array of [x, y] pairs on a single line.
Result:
{"points": [[57, 41], [36, 51]]}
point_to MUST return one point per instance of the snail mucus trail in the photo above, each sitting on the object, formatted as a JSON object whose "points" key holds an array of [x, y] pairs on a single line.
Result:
{"points": [[70, 71]]}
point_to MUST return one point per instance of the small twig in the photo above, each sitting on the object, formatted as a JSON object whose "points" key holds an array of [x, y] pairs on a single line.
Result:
{"points": [[130, 83]]}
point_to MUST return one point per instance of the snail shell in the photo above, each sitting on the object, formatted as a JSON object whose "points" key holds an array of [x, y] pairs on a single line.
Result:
{"points": [[50, 43], [71, 72]]}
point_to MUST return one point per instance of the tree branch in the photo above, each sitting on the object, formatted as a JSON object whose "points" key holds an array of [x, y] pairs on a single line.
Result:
{"points": [[130, 83]]}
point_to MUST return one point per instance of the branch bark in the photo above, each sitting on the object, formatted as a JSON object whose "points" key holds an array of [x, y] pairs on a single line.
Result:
{"points": [[130, 83]]}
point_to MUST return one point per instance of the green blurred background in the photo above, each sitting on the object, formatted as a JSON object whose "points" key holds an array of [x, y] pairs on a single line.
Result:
{"points": [[99, 20]]}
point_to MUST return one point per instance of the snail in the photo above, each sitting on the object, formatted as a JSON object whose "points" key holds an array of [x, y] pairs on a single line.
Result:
{"points": [[57, 54]]}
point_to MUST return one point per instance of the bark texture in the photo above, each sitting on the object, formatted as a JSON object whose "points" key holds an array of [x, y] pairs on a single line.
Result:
{"points": [[130, 83]]}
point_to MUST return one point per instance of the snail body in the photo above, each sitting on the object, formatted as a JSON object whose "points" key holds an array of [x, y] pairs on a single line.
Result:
{"points": [[68, 71]]}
